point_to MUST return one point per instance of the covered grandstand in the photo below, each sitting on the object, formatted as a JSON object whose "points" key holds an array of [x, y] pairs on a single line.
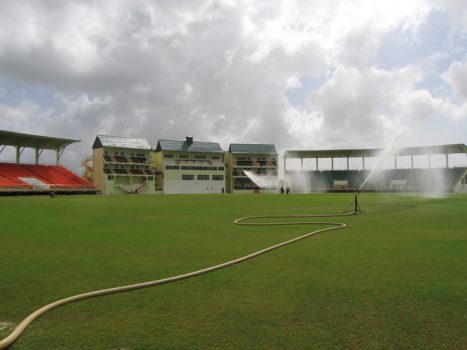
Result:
{"points": [[23, 178], [445, 178]]}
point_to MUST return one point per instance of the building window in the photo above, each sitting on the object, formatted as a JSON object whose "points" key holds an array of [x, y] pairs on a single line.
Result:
{"points": [[197, 167], [172, 167], [150, 178], [218, 177], [200, 157], [188, 177], [220, 168], [110, 177], [183, 156], [169, 156], [203, 177], [216, 157]]}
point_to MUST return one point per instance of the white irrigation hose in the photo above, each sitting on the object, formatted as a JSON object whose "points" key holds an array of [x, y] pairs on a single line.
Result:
{"points": [[10, 339]]}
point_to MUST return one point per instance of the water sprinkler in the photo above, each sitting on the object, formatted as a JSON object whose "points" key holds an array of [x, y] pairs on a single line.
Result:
{"points": [[357, 209]]}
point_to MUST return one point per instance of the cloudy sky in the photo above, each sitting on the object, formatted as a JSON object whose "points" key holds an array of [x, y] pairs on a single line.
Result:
{"points": [[299, 74]]}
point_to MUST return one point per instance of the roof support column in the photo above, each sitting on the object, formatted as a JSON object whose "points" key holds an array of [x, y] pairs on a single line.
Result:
{"points": [[395, 162], [301, 164], [59, 152], [347, 163], [284, 166], [429, 161], [19, 151], [332, 163], [447, 160], [317, 167], [38, 154], [411, 161], [363, 162]]}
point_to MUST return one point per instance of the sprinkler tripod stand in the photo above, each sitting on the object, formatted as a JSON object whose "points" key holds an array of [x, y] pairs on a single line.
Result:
{"points": [[356, 206], [356, 209]]}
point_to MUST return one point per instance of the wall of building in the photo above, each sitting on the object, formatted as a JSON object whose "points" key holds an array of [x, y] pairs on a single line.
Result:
{"points": [[157, 163], [181, 172], [260, 164], [193, 186], [98, 169], [115, 183]]}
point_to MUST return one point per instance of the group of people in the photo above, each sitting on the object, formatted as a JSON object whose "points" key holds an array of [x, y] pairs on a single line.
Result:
{"points": [[286, 189]]}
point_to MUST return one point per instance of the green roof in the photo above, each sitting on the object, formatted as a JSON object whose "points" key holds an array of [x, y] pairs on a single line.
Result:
{"points": [[121, 142], [252, 148], [10, 138], [374, 152], [188, 146]]}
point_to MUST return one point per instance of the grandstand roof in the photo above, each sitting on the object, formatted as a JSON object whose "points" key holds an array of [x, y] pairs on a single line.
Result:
{"points": [[121, 142], [374, 152], [188, 146], [10, 138], [249, 148]]}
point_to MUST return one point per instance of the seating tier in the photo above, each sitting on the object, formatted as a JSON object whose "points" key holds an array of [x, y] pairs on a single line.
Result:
{"points": [[53, 175]]}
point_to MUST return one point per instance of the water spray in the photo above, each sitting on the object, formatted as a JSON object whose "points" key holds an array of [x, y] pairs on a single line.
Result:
{"points": [[390, 150], [381, 160]]}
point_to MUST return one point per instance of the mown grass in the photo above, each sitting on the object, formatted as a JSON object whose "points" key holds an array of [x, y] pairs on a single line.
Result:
{"points": [[395, 278]]}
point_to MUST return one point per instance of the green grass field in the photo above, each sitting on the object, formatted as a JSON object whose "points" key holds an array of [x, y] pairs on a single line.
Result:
{"points": [[395, 278]]}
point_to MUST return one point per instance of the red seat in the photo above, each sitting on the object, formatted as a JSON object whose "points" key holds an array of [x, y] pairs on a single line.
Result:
{"points": [[53, 175], [7, 182], [71, 175]]}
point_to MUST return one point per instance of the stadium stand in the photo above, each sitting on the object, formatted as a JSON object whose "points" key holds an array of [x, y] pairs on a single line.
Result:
{"points": [[21, 178], [6, 182], [447, 179], [40, 177]]}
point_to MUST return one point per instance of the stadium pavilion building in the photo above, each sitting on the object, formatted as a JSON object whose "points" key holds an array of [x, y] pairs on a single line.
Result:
{"points": [[444, 178], [189, 166], [260, 159], [121, 165]]}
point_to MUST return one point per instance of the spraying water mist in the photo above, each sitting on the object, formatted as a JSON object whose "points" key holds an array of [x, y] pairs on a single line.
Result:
{"points": [[380, 161], [265, 182]]}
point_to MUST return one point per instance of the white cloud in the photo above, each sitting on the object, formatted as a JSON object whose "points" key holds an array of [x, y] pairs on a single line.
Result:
{"points": [[358, 105], [456, 77], [21, 117], [218, 70]]}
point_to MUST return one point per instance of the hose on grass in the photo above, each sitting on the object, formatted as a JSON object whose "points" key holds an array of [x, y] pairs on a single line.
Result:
{"points": [[20, 328]]}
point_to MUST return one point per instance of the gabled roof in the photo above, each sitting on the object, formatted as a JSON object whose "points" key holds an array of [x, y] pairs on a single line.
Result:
{"points": [[121, 142], [184, 146], [250, 148], [10, 138]]}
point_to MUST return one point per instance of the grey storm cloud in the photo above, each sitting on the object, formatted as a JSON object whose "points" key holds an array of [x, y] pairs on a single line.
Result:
{"points": [[218, 70]]}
